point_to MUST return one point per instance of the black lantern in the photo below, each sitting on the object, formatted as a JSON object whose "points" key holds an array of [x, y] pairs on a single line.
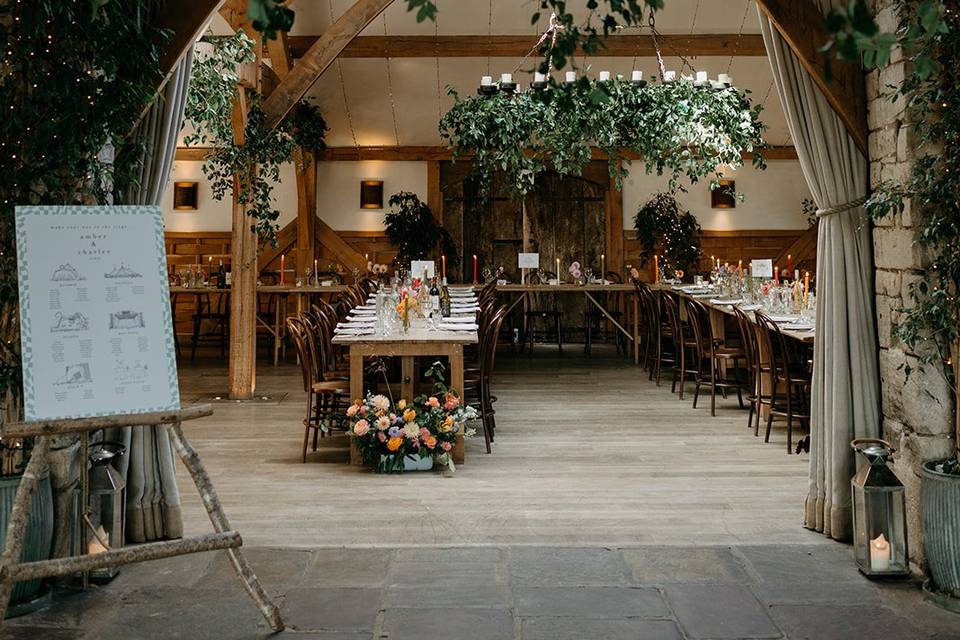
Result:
{"points": [[106, 515], [879, 513]]}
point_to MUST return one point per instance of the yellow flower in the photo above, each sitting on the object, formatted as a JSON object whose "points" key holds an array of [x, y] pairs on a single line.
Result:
{"points": [[402, 404], [409, 415], [394, 443]]}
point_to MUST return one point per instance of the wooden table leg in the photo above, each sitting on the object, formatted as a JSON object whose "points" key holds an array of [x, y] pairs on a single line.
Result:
{"points": [[356, 374], [407, 381], [278, 327], [456, 381], [636, 329]]}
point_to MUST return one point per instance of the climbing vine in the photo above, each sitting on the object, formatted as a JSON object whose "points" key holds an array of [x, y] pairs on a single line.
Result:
{"points": [[256, 160]]}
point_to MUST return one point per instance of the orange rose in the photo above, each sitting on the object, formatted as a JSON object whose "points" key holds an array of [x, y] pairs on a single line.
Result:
{"points": [[409, 415], [393, 444], [431, 442]]}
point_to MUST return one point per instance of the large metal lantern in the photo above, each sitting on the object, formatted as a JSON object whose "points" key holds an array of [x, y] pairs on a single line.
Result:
{"points": [[879, 513], [107, 508]]}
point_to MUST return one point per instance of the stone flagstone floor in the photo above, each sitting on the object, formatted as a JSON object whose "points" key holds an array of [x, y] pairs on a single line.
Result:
{"points": [[510, 593]]}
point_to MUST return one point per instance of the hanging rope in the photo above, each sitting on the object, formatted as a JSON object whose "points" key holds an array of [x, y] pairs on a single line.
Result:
{"points": [[393, 103], [343, 89], [736, 47], [489, 32], [656, 46], [553, 29]]}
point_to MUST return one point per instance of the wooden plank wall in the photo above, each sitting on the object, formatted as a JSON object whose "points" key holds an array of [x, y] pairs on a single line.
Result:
{"points": [[728, 246]]}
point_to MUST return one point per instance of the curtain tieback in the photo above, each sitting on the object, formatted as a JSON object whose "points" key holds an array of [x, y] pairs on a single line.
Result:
{"points": [[853, 204]]}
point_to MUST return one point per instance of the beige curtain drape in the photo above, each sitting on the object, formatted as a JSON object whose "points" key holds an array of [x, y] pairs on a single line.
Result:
{"points": [[153, 501], [846, 390]]}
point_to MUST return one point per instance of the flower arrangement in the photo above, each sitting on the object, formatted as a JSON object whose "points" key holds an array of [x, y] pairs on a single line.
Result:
{"points": [[575, 272], [387, 432]]}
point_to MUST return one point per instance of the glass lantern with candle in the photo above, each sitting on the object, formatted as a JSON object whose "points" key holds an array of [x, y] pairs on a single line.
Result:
{"points": [[879, 513], [107, 507]]}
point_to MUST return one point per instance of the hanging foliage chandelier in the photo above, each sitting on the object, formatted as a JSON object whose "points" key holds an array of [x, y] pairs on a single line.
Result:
{"points": [[682, 127]]}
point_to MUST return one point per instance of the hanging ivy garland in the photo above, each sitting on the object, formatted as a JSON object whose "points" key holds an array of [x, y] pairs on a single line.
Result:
{"points": [[675, 128]]}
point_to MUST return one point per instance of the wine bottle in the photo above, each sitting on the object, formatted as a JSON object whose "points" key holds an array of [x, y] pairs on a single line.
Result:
{"points": [[434, 296], [444, 299]]}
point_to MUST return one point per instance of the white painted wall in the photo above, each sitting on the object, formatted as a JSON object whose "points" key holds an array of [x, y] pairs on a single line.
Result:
{"points": [[338, 190], [773, 198], [213, 215]]}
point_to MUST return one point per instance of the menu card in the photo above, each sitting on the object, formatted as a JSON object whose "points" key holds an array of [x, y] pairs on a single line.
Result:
{"points": [[95, 321]]}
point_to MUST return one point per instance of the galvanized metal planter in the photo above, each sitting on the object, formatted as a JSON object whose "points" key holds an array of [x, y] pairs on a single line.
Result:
{"points": [[941, 528], [415, 463], [28, 596]]}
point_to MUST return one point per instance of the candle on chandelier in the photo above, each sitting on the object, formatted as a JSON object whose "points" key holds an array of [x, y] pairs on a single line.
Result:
{"points": [[702, 77], [474, 268], [669, 76], [486, 81], [637, 75], [539, 77], [724, 78], [604, 76], [506, 78], [571, 76]]}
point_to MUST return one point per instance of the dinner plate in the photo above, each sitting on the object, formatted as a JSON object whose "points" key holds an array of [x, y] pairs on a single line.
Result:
{"points": [[784, 319], [456, 326], [749, 307], [354, 332], [799, 327]]}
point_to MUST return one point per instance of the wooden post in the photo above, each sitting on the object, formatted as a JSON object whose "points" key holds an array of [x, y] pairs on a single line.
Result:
{"points": [[306, 208], [434, 190], [243, 304]]}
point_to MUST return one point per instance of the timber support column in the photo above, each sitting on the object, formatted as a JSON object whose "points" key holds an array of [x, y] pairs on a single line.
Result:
{"points": [[243, 304], [306, 167]]}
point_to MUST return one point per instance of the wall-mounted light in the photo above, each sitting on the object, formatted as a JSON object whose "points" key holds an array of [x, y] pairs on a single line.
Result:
{"points": [[724, 196], [371, 194], [185, 196]]}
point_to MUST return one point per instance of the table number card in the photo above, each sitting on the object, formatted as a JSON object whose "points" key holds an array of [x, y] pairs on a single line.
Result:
{"points": [[528, 260], [95, 320], [762, 269], [417, 267]]}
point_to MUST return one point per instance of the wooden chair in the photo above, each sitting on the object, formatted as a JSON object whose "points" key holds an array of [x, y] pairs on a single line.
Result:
{"points": [[790, 379], [646, 305], [756, 369], [542, 308], [672, 349], [324, 398], [722, 360], [477, 382], [215, 313]]}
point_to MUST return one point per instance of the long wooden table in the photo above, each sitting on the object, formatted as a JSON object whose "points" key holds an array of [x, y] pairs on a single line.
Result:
{"points": [[419, 341], [275, 325], [589, 291]]}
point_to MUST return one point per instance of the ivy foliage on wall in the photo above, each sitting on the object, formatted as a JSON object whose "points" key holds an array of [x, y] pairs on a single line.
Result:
{"points": [[257, 160], [74, 79], [662, 225], [675, 128]]}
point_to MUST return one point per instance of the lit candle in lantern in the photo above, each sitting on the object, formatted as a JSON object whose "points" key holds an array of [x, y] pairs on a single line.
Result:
{"points": [[880, 554], [283, 263], [443, 263], [474, 268], [806, 287], [603, 268]]}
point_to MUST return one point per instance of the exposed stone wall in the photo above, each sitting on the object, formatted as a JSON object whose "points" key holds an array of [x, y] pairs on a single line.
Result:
{"points": [[917, 410]]}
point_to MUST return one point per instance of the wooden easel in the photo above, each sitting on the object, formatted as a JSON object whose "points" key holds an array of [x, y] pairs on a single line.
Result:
{"points": [[12, 570]]}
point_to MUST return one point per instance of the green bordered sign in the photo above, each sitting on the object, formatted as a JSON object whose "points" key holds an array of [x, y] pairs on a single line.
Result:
{"points": [[95, 319]]}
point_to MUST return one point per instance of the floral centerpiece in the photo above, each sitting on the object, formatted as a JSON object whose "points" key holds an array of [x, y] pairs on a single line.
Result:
{"points": [[387, 433]]}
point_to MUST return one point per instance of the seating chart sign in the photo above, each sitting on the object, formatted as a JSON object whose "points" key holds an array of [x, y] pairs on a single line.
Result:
{"points": [[95, 320]]}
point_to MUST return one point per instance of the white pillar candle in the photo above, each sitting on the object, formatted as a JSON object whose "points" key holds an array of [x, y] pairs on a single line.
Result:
{"points": [[571, 76], [723, 78], [539, 77], [880, 554], [701, 76], [637, 75], [669, 76], [506, 78], [604, 76], [486, 81]]}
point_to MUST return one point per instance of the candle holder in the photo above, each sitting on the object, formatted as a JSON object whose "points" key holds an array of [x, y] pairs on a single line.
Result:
{"points": [[539, 86], [640, 84], [487, 90], [508, 88], [879, 513]]}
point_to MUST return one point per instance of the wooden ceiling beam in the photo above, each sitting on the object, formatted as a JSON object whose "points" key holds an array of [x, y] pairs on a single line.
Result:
{"points": [[803, 27], [185, 20], [318, 57], [518, 46], [430, 154]]}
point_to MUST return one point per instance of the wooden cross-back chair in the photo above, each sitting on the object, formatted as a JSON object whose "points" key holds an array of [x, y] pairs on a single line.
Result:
{"points": [[542, 308], [790, 380]]}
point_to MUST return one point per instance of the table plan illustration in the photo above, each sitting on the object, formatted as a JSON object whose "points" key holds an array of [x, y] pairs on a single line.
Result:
{"points": [[96, 331]]}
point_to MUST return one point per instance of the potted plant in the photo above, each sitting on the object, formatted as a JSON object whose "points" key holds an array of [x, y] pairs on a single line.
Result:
{"points": [[409, 436], [412, 228], [38, 537], [662, 225]]}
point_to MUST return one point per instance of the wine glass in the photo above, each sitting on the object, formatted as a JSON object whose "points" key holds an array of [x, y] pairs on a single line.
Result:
{"points": [[588, 273]]}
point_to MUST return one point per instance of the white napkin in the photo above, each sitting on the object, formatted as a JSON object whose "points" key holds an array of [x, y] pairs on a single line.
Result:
{"points": [[724, 302], [361, 331], [458, 326], [749, 307], [461, 319], [784, 319], [356, 323]]}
